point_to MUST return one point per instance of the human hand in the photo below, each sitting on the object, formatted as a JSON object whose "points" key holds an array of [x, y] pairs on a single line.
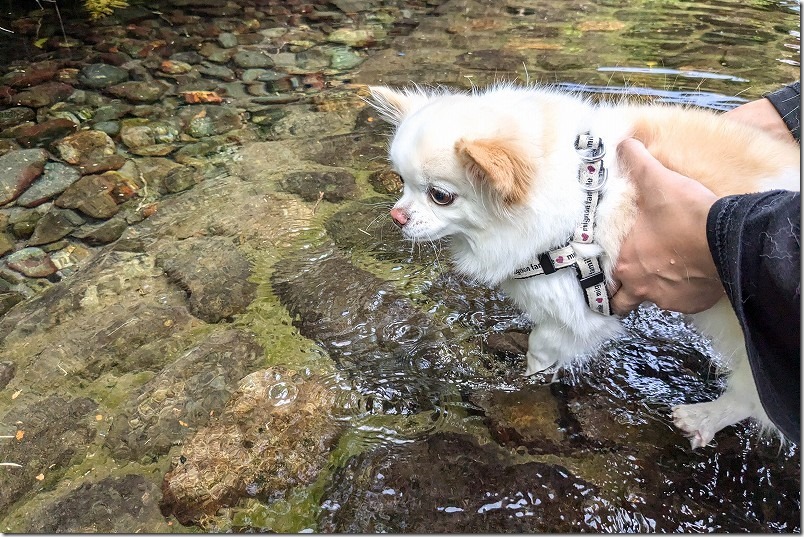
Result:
{"points": [[762, 115], [665, 258]]}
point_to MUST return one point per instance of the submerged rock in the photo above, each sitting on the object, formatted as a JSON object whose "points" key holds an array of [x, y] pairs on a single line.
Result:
{"points": [[85, 147], [33, 262], [18, 169], [54, 180], [332, 186], [50, 434], [274, 434], [215, 275], [102, 75], [126, 504], [183, 396], [451, 484]]}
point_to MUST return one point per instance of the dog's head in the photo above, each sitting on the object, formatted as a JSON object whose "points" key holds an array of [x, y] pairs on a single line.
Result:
{"points": [[460, 159]]}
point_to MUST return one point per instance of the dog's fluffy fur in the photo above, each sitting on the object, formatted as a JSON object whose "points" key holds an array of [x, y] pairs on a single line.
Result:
{"points": [[507, 156]]}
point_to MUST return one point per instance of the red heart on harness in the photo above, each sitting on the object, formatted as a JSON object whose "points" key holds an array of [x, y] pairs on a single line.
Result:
{"points": [[560, 259], [585, 236], [599, 300]]}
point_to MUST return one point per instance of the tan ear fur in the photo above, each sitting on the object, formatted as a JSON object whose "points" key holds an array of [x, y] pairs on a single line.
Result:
{"points": [[393, 105], [500, 162]]}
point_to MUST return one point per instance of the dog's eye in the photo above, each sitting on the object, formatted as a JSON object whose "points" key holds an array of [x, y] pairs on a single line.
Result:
{"points": [[440, 197]]}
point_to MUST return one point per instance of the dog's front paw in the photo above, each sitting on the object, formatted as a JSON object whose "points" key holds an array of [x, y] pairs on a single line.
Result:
{"points": [[695, 421], [539, 364]]}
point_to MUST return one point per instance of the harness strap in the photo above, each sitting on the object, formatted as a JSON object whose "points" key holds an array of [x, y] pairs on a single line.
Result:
{"points": [[592, 175]]}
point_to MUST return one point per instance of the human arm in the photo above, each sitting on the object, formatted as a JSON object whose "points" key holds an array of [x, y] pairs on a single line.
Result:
{"points": [[665, 229], [778, 113]]}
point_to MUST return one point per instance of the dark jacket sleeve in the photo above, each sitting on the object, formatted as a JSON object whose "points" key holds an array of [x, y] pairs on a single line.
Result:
{"points": [[787, 102], [755, 240]]}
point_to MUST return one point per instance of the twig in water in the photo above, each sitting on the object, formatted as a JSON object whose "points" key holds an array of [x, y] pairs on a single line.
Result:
{"points": [[318, 201]]}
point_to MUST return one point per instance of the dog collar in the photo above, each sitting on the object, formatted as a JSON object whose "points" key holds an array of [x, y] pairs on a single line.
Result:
{"points": [[592, 176]]}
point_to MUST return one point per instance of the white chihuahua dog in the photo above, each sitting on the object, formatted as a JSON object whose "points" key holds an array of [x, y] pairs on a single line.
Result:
{"points": [[525, 183]]}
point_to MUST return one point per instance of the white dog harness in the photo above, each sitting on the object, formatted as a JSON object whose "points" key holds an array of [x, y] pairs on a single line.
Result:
{"points": [[592, 176]]}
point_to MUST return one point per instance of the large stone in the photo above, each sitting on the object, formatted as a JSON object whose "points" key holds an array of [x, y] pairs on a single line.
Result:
{"points": [[361, 37], [54, 225], [125, 504], [85, 147], [251, 59], [43, 95], [183, 396], [101, 232], [332, 186], [204, 120], [29, 76], [33, 262], [18, 169], [15, 115], [138, 91], [449, 483], [274, 434], [101, 75], [42, 134], [52, 433], [54, 180], [93, 195], [215, 275]]}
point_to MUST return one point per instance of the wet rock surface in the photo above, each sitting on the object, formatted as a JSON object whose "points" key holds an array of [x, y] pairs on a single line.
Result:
{"points": [[206, 317], [111, 505], [274, 434], [182, 397], [448, 484]]}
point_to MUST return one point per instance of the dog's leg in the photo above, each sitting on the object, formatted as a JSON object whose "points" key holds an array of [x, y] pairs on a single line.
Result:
{"points": [[700, 422], [539, 356], [555, 343]]}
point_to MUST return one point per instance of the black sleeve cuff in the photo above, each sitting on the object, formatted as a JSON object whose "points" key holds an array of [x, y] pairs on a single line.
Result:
{"points": [[787, 102]]}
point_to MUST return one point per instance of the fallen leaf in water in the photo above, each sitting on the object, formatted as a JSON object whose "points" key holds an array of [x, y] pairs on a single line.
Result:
{"points": [[19, 435], [201, 97]]}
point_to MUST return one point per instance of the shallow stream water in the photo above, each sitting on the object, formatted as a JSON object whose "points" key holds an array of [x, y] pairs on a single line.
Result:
{"points": [[408, 408]]}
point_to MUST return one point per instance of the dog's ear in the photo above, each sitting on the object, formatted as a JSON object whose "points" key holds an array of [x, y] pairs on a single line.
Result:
{"points": [[393, 105], [499, 162]]}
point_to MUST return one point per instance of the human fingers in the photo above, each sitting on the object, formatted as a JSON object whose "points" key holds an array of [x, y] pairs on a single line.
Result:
{"points": [[624, 302]]}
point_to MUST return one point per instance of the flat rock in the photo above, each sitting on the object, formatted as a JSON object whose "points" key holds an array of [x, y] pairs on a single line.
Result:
{"points": [[180, 399], [331, 302], [205, 120], [42, 134], [100, 233], [442, 484], [138, 91], [215, 275], [56, 432], [54, 180], [115, 504], [251, 59], [31, 261], [101, 75], [15, 115], [274, 434], [18, 169], [333, 186], [85, 147], [43, 95], [55, 224], [92, 195]]}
